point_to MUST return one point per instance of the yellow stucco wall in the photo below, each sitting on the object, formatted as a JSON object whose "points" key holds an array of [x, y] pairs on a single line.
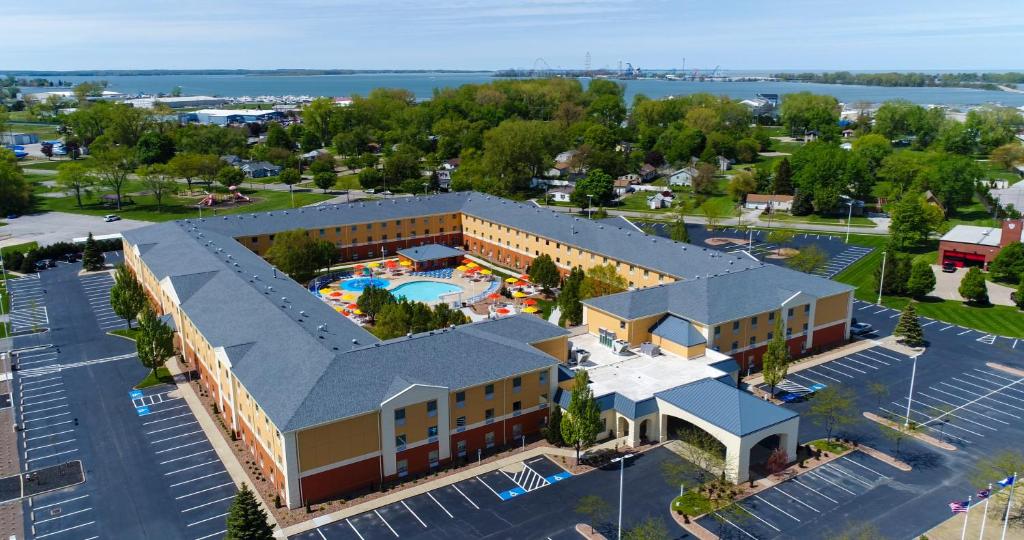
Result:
{"points": [[338, 441]]}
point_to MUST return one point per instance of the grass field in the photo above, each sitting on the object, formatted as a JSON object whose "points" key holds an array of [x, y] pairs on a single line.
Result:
{"points": [[857, 221], [162, 377], [1001, 320], [50, 165]]}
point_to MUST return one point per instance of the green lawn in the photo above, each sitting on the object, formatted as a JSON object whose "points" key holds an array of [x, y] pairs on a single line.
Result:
{"points": [[1001, 320], [132, 334], [24, 248], [637, 202], [826, 446], [46, 132], [46, 165], [857, 221], [693, 504], [144, 207], [5, 307], [162, 377], [973, 214]]}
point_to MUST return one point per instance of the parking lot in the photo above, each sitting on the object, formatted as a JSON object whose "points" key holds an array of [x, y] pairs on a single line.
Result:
{"points": [[804, 506], [28, 305], [884, 320], [97, 292], [875, 363], [840, 255]]}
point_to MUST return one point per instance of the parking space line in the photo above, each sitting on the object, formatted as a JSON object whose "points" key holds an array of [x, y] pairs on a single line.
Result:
{"points": [[50, 393], [991, 390], [168, 408], [814, 490], [966, 391], [880, 353], [964, 332], [928, 323], [38, 381], [166, 419], [201, 441], [467, 498], [79, 526], [218, 533], [190, 467], [176, 437], [925, 424], [42, 402], [34, 448], [65, 501], [207, 504], [53, 455], [172, 427], [721, 517], [779, 489], [321, 533], [62, 515], [441, 505], [836, 370], [864, 467], [183, 482], [204, 490], [967, 419], [821, 375], [62, 406], [413, 515], [758, 497], [832, 468], [49, 426], [820, 477], [186, 457], [860, 363], [797, 374], [755, 516], [488, 487], [207, 519], [354, 529], [873, 359], [25, 392], [979, 404]]}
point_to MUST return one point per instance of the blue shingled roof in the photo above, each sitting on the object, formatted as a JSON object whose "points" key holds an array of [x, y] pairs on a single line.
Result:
{"points": [[725, 406], [429, 252], [678, 331]]}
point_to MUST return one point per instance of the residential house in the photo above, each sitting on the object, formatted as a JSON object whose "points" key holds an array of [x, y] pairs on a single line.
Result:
{"points": [[759, 201], [232, 160], [648, 172], [662, 199], [683, 177], [561, 194], [724, 163], [847, 133], [260, 169], [621, 186], [564, 157]]}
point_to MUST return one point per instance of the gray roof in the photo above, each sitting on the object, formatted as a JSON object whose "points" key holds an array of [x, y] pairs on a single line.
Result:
{"points": [[678, 331], [972, 234], [726, 406], [429, 252], [719, 298]]}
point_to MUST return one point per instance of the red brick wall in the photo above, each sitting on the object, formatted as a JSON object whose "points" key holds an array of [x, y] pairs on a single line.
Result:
{"points": [[268, 466], [363, 252], [356, 476], [498, 254], [829, 337], [989, 252]]}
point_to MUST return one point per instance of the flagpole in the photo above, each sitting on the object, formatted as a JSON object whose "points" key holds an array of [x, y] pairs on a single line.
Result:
{"points": [[967, 514], [984, 515], [1009, 502]]}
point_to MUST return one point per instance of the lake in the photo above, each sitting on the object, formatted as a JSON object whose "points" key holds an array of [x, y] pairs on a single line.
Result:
{"points": [[422, 86]]}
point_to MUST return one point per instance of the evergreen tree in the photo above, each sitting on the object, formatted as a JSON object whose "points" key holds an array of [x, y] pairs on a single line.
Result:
{"points": [[92, 257], [782, 184], [775, 361], [127, 298], [28, 263], [973, 288], [569, 299], [922, 279], [581, 423], [803, 204], [1018, 295], [909, 328], [155, 341], [677, 231], [543, 272], [896, 273], [246, 519], [553, 431]]}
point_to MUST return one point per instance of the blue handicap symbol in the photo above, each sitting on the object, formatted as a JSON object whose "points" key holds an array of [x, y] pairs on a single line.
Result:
{"points": [[512, 493], [816, 386], [134, 394], [558, 477], [142, 411]]}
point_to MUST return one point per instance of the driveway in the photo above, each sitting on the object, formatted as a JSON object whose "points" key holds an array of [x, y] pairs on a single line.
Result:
{"points": [[946, 285], [51, 227]]}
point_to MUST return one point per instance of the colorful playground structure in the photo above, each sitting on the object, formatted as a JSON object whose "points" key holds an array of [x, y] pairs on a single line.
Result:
{"points": [[234, 196]]}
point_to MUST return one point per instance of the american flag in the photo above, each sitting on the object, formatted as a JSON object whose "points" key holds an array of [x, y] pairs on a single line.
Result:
{"points": [[958, 506], [984, 493]]}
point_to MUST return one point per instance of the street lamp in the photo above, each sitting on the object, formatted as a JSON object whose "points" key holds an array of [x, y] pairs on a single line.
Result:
{"points": [[881, 280], [622, 471], [849, 217], [589, 204], [425, 186], [910, 396]]}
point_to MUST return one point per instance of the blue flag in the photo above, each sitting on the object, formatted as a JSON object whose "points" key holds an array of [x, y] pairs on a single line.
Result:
{"points": [[1008, 481]]}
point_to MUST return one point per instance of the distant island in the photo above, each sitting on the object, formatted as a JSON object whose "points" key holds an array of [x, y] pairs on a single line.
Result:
{"points": [[984, 81], [281, 72]]}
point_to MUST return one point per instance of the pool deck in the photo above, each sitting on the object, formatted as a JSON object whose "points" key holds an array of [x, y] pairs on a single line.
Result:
{"points": [[469, 287]]}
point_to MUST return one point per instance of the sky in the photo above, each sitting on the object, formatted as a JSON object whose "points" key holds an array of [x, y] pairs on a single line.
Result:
{"points": [[498, 34]]}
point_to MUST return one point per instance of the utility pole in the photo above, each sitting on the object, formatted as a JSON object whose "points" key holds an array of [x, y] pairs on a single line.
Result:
{"points": [[910, 396], [882, 280], [849, 217], [622, 473]]}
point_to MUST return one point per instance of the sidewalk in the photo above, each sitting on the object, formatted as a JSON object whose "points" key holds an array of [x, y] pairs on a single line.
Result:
{"points": [[11, 518]]}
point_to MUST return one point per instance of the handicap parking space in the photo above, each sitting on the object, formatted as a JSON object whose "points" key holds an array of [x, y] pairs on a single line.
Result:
{"points": [[868, 363], [97, 293], [452, 510], [777, 512]]}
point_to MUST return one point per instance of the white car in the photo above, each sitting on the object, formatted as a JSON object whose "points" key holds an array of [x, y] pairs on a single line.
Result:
{"points": [[861, 328], [111, 217]]}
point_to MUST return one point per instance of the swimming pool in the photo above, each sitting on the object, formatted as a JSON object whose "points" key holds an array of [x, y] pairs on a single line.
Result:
{"points": [[424, 291], [358, 284]]}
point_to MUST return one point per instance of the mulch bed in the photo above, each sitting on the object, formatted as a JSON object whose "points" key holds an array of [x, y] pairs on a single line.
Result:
{"points": [[725, 241]]}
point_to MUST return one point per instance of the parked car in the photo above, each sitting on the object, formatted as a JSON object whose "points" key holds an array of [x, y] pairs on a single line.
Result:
{"points": [[861, 328], [371, 191], [43, 264], [111, 217], [71, 257], [948, 267]]}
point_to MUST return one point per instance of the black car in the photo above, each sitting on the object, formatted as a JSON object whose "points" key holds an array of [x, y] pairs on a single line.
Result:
{"points": [[948, 267], [71, 257], [43, 264], [51, 263]]}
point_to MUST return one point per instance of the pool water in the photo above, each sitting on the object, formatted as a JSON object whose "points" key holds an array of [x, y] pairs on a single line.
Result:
{"points": [[358, 284], [424, 291]]}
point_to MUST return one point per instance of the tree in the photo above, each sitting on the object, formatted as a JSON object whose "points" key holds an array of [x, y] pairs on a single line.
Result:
{"points": [[569, 299], [299, 255], [908, 329], [782, 182], [92, 257], [832, 408], [1008, 155], [712, 214], [593, 508], [191, 166], [879, 390], [15, 191], [543, 272], [808, 259], [1018, 295], [747, 150], [897, 431], [805, 111], [230, 176], [896, 273], [910, 223], [601, 280], [973, 288], [154, 147], [157, 179], [1008, 264], [775, 361], [127, 298], [581, 422], [325, 180], [246, 519], [75, 177], [317, 118], [741, 184], [113, 165], [699, 448], [598, 185], [553, 429], [648, 529], [677, 230], [803, 204], [277, 137], [922, 279], [704, 181], [372, 301], [155, 340], [874, 148]]}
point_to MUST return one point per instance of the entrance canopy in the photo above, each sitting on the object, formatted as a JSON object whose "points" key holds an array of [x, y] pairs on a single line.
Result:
{"points": [[726, 407]]}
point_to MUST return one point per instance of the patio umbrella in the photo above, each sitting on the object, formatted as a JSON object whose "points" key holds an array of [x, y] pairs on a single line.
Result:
{"points": [[467, 261], [374, 264], [502, 311], [472, 264], [472, 270], [486, 272], [326, 290], [521, 284], [462, 268], [348, 296], [336, 294], [518, 294], [525, 277], [353, 306], [530, 302], [339, 309], [530, 309], [367, 272], [358, 311], [391, 264], [358, 267], [494, 296], [511, 280], [405, 263]]}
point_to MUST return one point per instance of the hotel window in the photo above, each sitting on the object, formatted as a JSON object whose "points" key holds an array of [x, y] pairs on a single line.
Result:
{"points": [[542, 399], [489, 439], [753, 321], [489, 392], [322, 232], [735, 326], [337, 229], [805, 327], [753, 340], [807, 308], [622, 325], [543, 376], [718, 331], [271, 237], [646, 273], [517, 431], [516, 407], [460, 421], [353, 227], [369, 226], [433, 459], [789, 332], [489, 416], [400, 442], [771, 316], [460, 399], [517, 384], [790, 314], [384, 237], [771, 335], [403, 467], [432, 408], [399, 417], [735, 345], [432, 431], [460, 447], [254, 239]]}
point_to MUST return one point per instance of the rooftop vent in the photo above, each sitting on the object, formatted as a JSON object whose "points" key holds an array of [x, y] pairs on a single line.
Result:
{"points": [[302, 313], [284, 299]]}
